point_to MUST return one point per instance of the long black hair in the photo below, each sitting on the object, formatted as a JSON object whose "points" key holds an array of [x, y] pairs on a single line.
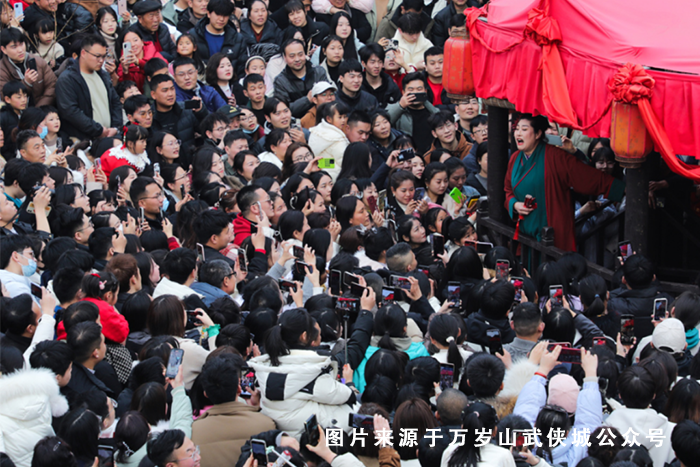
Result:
{"points": [[390, 321], [476, 416], [444, 328], [286, 335]]}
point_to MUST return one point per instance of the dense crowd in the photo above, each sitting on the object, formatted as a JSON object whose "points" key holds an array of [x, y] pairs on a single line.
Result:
{"points": [[234, 234]]}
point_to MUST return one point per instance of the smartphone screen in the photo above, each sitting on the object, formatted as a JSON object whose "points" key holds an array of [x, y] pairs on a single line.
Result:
{"points": [[556, 295], [495, 345], [259, 449], [419, 194], [347, 305], [360, 421], [334, 282], [483, 247], [311, 428], [625, 249], [518, 284], [454, 293], [372, 204], [299, 252], [599, 341], [660, 306], [174, 363], [247, 381], [36, 290], [349, 279], [242, 260], [447, 375], [519, 436], [287, 286], [438, 242], [401, 282], [388, 295], [502, 269], [105, 455], [627, 329], [357, 290], [570, 355]]}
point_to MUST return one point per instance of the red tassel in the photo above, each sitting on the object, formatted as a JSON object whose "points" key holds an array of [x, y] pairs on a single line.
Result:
{"points": [[516, 235]]}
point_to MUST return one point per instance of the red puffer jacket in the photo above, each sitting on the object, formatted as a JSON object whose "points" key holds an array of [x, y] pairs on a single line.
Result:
{"points": [[114, 325]]}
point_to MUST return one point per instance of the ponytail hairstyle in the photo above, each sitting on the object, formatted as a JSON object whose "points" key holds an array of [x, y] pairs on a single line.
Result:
{"points": [[134, 133], [594, 293], [444, 329], [390, 321], [475, 416], [551, 417], [286, 335], [96, 285], [130, 435]]}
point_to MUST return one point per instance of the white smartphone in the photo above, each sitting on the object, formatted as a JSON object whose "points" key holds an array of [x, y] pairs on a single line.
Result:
{"points": [[19, 10], [127, 48]]}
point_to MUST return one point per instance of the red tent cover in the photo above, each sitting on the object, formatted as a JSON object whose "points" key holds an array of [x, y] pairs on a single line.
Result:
{"points": [[597, 38]]}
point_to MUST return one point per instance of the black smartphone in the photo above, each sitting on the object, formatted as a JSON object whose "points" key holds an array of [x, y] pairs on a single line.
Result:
{"points": [[420, 97], [334, 282], [502, 269], [242, 260], [454, 293], [287, 286], [359, 421], [105, 455], [299, 270], [625, 248], [447, 376], [31, 63], [36, 290], [259, 449], [405, 155], [419, 194], [311, 429], [660, 307], [388, 295], [247, 381], [424, 269], [400, 282], [570, 355], [192, 104], [438, 242], [183, 192], [495, 345], [627, 329], [349, 279], [299, 252], [556, 295], [344, 305], [174, 362], [357, 290], [518, 284]]}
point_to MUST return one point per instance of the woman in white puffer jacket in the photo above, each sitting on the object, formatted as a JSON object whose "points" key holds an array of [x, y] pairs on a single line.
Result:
{"points": [[296, 382], [29, 398], [327, 139]]}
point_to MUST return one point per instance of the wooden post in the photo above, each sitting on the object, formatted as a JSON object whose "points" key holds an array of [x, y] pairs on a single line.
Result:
{"points": [[637, 210], [498, 162]]}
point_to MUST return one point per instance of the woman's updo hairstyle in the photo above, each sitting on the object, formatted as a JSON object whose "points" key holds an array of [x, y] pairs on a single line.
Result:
{"points": [[286, 335]]}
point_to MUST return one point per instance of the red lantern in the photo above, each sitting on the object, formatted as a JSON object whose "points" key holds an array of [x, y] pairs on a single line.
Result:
{"points": [[457, 77], [629, 138]]}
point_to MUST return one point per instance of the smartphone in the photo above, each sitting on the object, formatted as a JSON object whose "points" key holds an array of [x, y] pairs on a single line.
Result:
{"points": [[359, 421], [405, 155], [530, 202], [19, 10], [259, 449], [518, 284], [36, 290], [299, 270], [554, 140], [192, 104], [556, 295], [31, 63], [98, 166], [599, 341], [348, 279], [200, 252], [454, 293], [119, 179], [174, 363], [425, 270], [381, 200], [183, 192], [552, 345], [350, 306], [495, 345], [447, 376], [311, 429], [388, 295], [625, 249], [121, 7], [156, 168], [420, 97], [400, 282], [247, 381], [334, 282], [391, 225], [471, 204], [357, 290], [438, 242], [287, 286], [126, 46], [142, 215], [456, 195], [326, 163], [372, 204], [519, 441], [660, 306], [627, 329], [419, 194], [483, 247], [298, 252], [502, 269], [570, 355], [105, 453], [242, 260]]}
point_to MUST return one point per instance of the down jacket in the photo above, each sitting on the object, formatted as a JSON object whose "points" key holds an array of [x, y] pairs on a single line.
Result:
{"points": [[305, 383], [28, 400], [327, 140]]}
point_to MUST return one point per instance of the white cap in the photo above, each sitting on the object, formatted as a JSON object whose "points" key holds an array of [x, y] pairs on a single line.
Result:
{"points": [[321, 87], [669, 334]]}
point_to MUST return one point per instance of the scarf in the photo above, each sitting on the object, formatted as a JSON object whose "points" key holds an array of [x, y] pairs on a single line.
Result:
{"points": [[692, 337]]}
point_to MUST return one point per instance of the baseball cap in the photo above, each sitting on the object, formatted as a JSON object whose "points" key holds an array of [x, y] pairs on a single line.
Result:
{"points": [[321, 87], [229, 111], [669, 335]]}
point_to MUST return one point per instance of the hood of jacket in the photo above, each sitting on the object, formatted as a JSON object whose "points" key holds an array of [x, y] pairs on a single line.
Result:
{"points": [[269, 31], [401, 343], [241, 228], [328, 132], [301, 367], [477, 324], [28, 393], [641, 421]]}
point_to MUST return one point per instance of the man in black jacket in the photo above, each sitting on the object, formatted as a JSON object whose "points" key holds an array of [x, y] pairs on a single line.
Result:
{"points": [[214, 230], [169, 116], [216, 23], [86, 100], [496, 301], [88, 345], [441, 30], [293, 86], [151, 27], [296, 16], [40, 9], [637, 294], [350, 93], [376, 82]]}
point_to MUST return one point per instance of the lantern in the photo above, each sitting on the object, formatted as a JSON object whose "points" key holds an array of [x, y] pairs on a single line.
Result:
{"points": [[629, 138], [457, 76]]}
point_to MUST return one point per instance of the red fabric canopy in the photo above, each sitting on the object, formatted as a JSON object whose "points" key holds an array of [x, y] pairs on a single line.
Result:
{"points": [[596, 40]]}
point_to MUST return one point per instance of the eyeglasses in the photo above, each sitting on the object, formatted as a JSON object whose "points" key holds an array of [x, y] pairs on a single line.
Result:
{"points": [[98, 57], [245, 118], [177, 142], [481, 131], [89, 226], [158, 196], [221, 128], [193, 456], [303, 158]]}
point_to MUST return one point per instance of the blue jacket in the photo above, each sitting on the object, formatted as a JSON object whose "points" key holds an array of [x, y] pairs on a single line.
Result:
{"points": [[212, 99], [589, 415], [210, 292], [414, 350]]}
